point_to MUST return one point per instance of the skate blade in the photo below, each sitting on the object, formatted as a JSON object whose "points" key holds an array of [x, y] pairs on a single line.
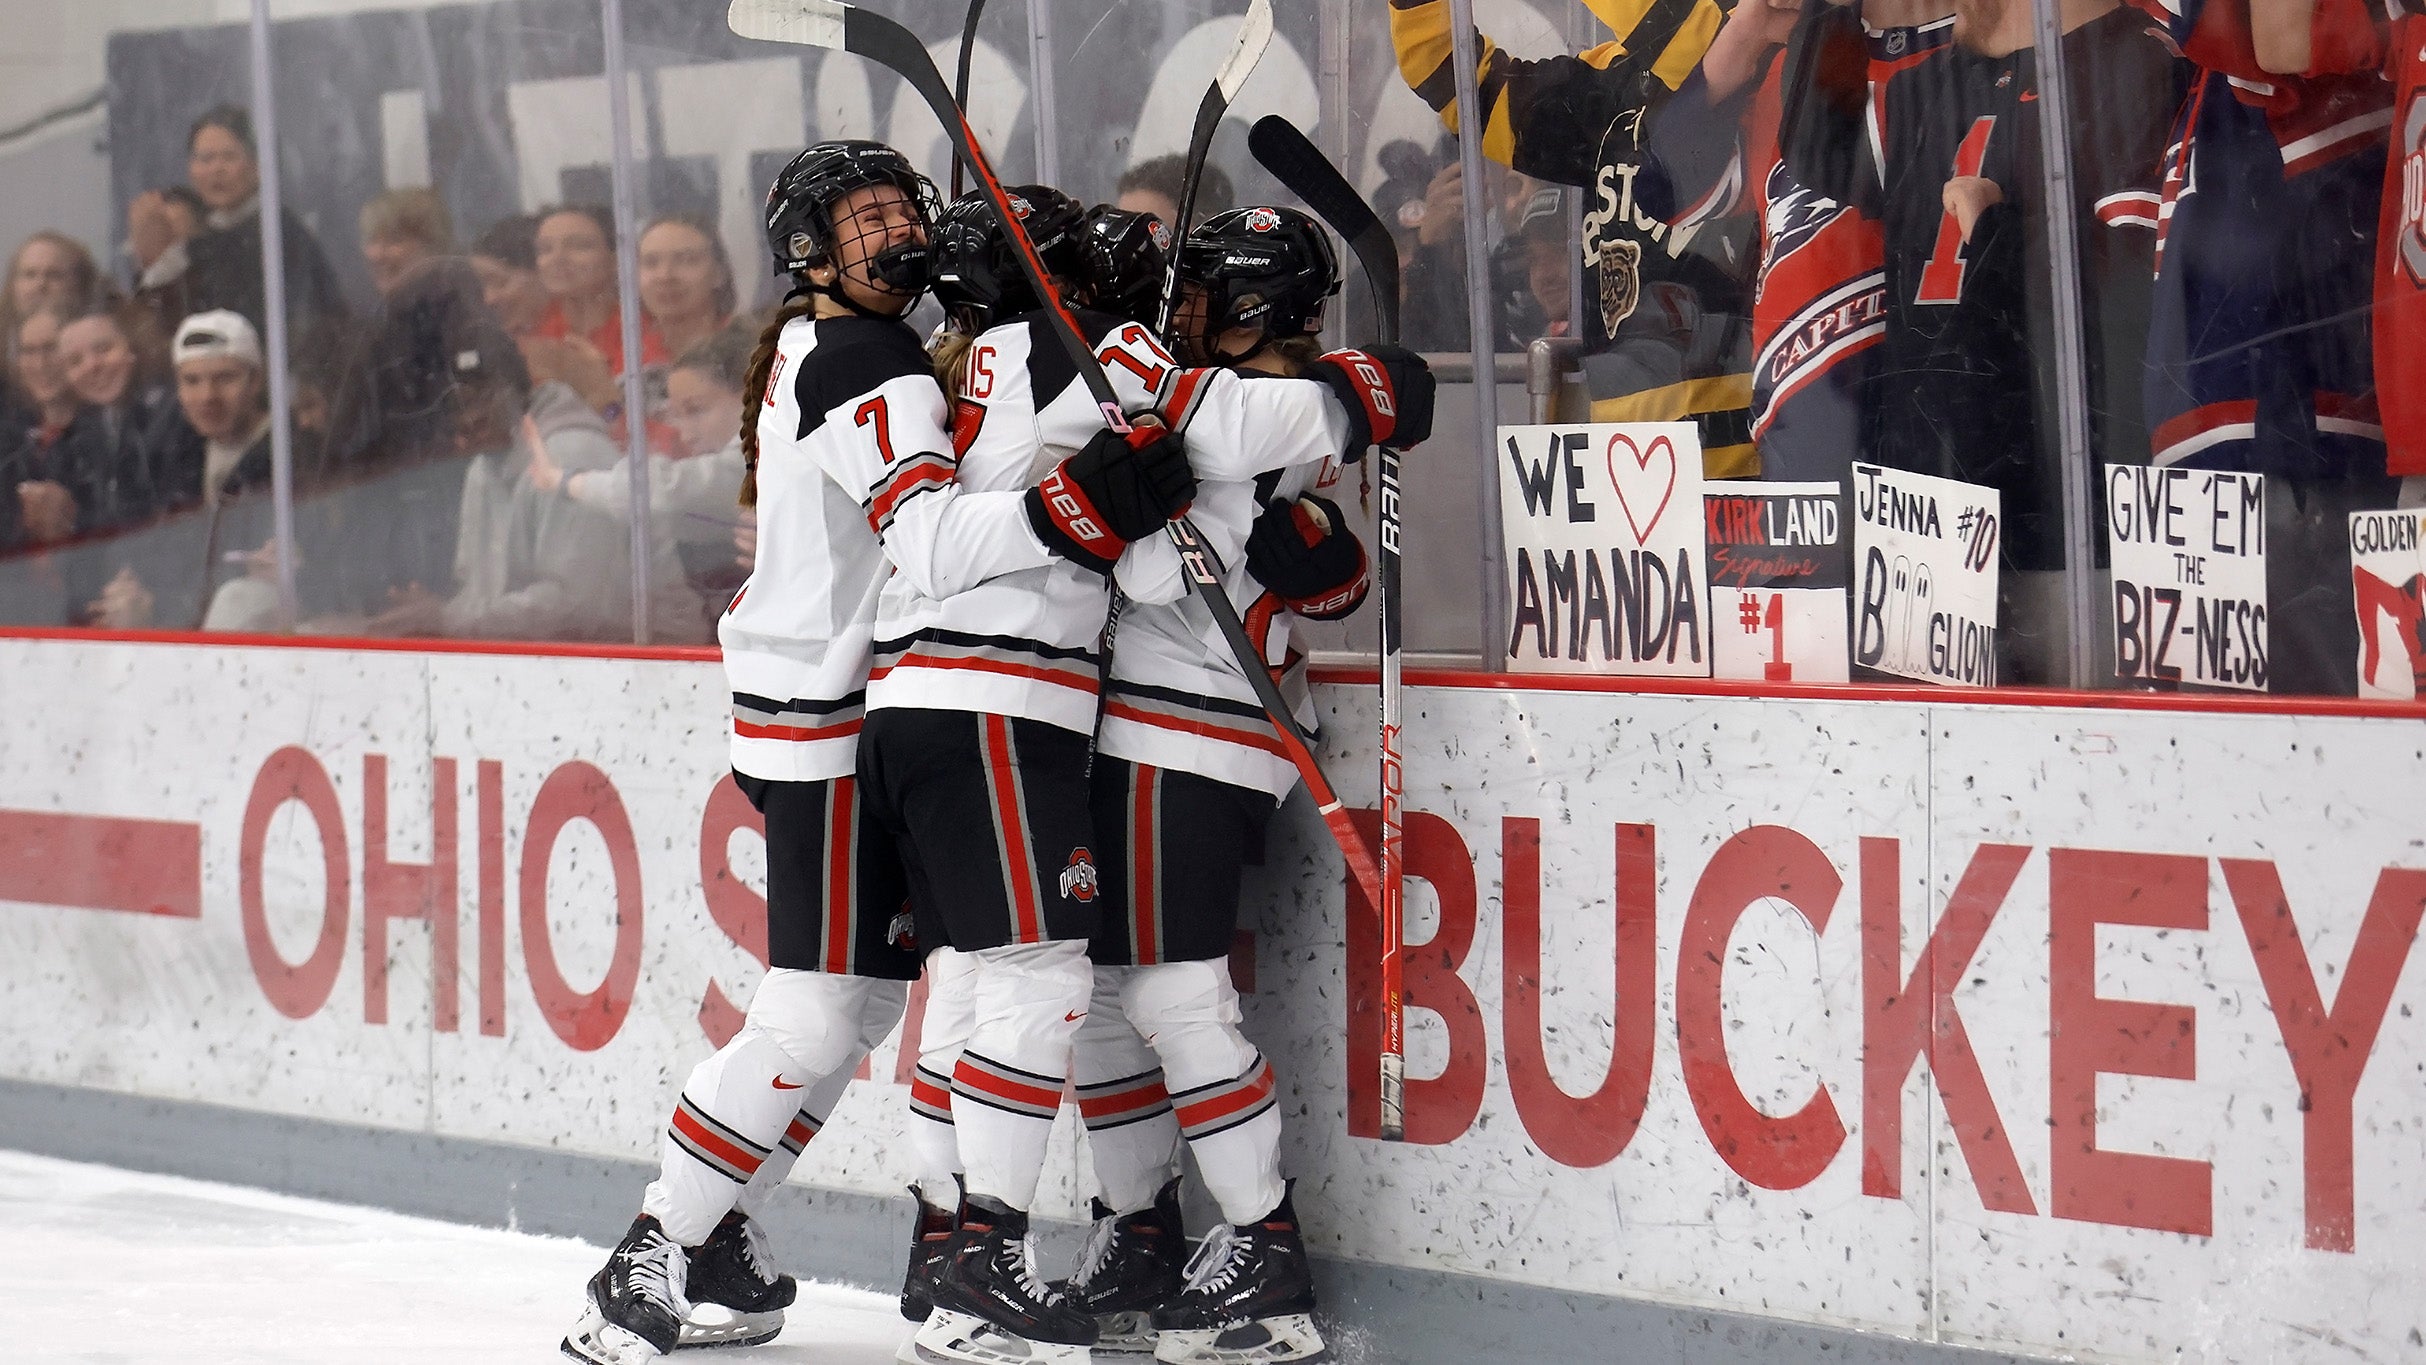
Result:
{"points": [[595, 1341], [712, 1324], [1124, 1334], [950, 1338], [1286, 1340]]}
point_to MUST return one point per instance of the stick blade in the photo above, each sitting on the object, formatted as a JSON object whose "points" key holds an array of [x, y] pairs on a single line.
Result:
{"points": [[804, 23], [1254, 35], [1297, 163]]}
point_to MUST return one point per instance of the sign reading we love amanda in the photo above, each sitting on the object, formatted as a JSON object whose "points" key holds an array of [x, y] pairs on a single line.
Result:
{"points": [[1602, 542]]}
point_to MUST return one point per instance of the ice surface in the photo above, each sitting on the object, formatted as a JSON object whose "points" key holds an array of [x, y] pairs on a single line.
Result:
{"points": [[107, 1267]]}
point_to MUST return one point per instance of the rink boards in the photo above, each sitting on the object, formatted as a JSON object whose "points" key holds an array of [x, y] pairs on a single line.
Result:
{"points": [[2056, 1030]]}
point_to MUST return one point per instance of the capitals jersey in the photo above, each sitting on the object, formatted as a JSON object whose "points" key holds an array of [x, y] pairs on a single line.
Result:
{"points": [[1819, 305], [1965, 386], [2400, 283], [851, 447], [1028, 643], [1178, 699], [2259, 356]]}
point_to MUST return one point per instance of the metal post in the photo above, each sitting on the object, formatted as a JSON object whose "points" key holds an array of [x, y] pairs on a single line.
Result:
{"points": [[1040, 80], [273, 310], [627, 288], [2071, 368], [1465, 52]]}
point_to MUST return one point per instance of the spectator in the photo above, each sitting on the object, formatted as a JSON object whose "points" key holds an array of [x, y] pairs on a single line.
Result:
{"points": [[1539, 308], [53, 271], [50, 499], [1154, 186], [506, 258], [157, 220], [686, 282], [576, 253], [401, 229], [47, 402], [109, 443], [219, 267], [528, 565], [216, 454]]}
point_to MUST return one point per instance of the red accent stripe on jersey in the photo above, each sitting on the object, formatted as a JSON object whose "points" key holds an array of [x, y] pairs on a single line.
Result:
{"points": [[797, 734], [1143, 1097], [973, 1074], [2131, 208], [1027, 917], [1179, 397], [841, 864], [2200, 428], [1235, 1098], [1144, 942], [922, 473], [2328, 144], [745, 1162], [1076, 681], [1265, 740]]}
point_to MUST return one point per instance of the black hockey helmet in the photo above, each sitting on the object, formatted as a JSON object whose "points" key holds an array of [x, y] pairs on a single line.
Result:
{"points": [[977, 274], [1266, 268], [800, 224], [1125, 255]]}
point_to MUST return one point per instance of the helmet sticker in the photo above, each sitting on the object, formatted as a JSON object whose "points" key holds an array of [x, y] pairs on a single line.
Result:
{"points": [[1262, 220]]}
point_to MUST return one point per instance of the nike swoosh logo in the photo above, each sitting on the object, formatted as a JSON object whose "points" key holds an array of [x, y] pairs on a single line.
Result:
{"points": [[779, 1085], [1073, 1018], [2029, 96]]}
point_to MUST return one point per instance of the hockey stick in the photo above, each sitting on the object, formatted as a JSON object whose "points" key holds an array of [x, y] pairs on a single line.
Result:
{"points": [[960, 79], [1300, 165], [1254, 35], [847, 28]]}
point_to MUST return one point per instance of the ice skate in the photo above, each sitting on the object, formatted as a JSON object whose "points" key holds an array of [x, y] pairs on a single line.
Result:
{"points": [[636, 1300], [930, 1231], [1249, 1299], [991, 1305], [1134, 1263], [737, 1296]]}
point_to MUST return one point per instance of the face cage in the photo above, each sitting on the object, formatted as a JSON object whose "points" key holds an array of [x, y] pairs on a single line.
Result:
{"points": [[921, 192]]}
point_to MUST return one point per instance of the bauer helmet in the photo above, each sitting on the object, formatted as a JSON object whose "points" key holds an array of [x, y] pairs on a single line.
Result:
{"points": [[1266, 268], [800, 224], [1125, 254], [977, 274]]}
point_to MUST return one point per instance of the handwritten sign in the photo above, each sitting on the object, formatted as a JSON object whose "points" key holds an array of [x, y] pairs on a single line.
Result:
{"points": [[1602, 527], [2388, 581], [1781, 578], [1926, 550], [2189, 553]]}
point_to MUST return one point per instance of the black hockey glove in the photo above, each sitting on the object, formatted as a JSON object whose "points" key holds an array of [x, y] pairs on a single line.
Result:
{"points": [[1387, 391], [1305, 554], [1118, 489]]}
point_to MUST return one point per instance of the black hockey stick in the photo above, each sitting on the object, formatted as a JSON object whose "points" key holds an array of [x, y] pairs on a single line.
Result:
{"points": [[960, 79], [847, 28], [1294, 159], [1254, 35]]}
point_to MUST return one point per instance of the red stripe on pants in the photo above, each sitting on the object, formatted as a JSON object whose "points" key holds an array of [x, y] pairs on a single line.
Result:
{"points": [[1141, 868], [1026, 919], [841, 849]]}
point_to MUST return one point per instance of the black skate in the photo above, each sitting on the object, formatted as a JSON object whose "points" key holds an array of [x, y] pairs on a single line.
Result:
{"points": [[930, 1230], [1134, 1263], [636, 1302], [737, 1296], [991, 1305], [1249, 1299]]}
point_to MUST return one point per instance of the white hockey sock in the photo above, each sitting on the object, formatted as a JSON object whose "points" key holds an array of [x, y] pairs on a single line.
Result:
{"points": [[1132, 1138], [737, 1107], [1007, 1086], [777, 1168], [1221, 1087], [950, 1013]]}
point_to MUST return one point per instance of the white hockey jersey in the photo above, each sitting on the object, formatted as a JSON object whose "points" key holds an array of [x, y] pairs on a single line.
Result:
{"points": [[854, 472], [1028, 644], [1178, 699]]}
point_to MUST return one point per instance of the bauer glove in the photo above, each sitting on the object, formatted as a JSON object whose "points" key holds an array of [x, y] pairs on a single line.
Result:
{"points": [[1305, 554], [1119, 488], [1387, 391]]}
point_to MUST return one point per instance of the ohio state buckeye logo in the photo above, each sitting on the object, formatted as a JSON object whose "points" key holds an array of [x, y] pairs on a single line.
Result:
{"points": [[1020, 207], [1160, 234], [1262, 220], [1078, 880]]}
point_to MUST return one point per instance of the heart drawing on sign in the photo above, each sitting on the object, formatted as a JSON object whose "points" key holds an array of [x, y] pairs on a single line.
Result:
{"points": [[1636, 479]]}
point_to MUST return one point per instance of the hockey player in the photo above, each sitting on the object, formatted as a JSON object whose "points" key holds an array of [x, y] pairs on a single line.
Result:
{"points": [[1187, 774], [849, 467]]}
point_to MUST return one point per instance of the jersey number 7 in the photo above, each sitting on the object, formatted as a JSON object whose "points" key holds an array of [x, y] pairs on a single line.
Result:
{"points": [[872, 412]]}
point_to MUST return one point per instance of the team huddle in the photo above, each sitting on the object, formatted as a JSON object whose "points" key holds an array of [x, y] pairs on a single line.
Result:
{"points": [[995, 741]]}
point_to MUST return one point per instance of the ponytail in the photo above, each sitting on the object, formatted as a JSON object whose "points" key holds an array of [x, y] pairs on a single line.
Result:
{"points": [[951, 352], [754, 387]]}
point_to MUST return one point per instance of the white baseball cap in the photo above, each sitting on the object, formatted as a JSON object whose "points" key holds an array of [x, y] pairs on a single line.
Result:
{"points": [[218, 333]]}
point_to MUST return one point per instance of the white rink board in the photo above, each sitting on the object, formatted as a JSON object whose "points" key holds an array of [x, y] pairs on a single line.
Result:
{"points": [[1724, 803]]}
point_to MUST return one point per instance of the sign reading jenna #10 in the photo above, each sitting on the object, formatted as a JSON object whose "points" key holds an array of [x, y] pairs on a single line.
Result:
{"points": [[1601, 528], [1926, 548], [2189, 575]]}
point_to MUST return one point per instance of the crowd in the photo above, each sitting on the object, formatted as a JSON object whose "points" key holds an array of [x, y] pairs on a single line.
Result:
{"points": [[459, 437]]}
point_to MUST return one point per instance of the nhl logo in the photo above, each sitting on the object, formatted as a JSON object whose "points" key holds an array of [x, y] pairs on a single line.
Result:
{"points": [[1262, 220], [1897, 41], [1078, 879]]}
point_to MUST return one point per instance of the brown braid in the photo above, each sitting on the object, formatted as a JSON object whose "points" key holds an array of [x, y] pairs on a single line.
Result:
{"points": [[754, 387]]}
